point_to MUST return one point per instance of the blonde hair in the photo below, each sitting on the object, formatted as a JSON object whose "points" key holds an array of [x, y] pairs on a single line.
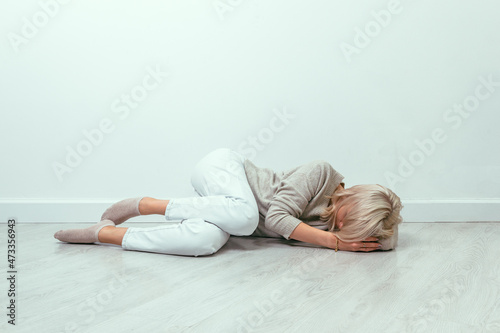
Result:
{"points": [[373, 211]]}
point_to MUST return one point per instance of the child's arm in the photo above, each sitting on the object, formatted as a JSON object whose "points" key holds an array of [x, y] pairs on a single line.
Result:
{"points": [[305, 233]]}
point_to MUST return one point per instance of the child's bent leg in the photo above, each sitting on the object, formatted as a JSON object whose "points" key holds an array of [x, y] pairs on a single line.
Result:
{"points": [[226, 197], [192, 237], [132, 207], [146, 206]]}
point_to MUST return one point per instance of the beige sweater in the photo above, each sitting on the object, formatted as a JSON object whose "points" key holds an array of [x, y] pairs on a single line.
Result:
{"points": [[289, 197]]}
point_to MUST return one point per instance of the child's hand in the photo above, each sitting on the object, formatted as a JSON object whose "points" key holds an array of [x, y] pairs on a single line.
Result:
{"points": [[366, 245]]}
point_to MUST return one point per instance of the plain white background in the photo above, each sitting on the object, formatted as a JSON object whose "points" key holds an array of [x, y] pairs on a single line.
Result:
{"points": [[362, 85]]}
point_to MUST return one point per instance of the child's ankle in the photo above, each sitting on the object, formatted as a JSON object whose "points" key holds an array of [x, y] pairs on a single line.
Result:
{"points": [[145, 205], [104, 230]]}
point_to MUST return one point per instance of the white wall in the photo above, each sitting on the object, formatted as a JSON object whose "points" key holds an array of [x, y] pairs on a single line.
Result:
{"points": [[359, 101]]}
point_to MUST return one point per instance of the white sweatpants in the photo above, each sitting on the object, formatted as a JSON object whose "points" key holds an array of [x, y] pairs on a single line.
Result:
{"points": [[226, 206]]}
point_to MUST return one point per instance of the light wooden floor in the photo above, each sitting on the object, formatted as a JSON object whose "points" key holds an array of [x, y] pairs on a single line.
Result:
{"points": [[443, 277]]}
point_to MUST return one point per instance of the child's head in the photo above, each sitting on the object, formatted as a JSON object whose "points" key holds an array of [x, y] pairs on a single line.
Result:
{"points": [[364, 211]]}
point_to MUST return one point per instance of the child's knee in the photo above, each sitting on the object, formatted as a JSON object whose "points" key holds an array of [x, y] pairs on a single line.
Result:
{"points": [[209, 238], [249, 220]]}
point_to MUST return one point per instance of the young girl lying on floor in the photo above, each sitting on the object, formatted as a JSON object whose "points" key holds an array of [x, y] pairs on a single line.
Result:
{"points": [[307, 203]]}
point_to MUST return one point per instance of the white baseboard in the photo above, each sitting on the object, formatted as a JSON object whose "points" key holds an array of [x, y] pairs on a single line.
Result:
{"points": [[81, 211], [469, 210]]}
